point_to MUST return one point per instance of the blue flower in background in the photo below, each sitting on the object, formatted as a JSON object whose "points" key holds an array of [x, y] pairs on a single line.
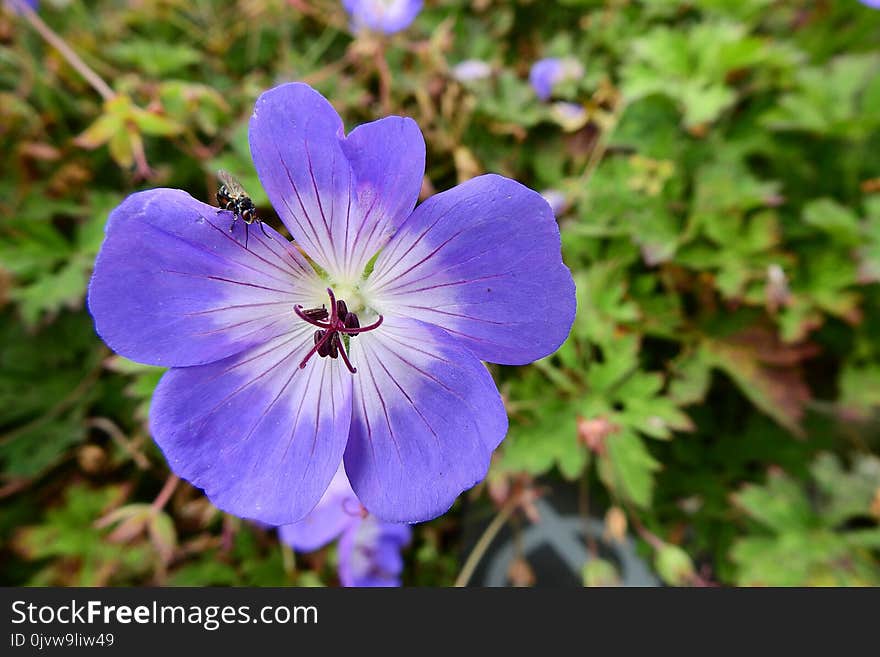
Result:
{"points": [[556, 200], [547, 73], [570, 116], [874, 4], [471, 70], [14, 4], [281, 368], [386, 16], [369, 549]]}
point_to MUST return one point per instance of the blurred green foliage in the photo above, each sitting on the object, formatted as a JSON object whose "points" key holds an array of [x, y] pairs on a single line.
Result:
{"points": [[721, 384]]}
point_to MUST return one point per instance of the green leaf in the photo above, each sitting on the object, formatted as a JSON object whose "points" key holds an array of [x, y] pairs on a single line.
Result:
{"points": [[629, 467], [602, 305], [832, 218], [209, 572], [751, 359], [859, 392], [690, 381], [832, 99], [155, 58], [848, 494], [550, 440], [151, 123], [53, 292], [780, 505], [82, 555]]}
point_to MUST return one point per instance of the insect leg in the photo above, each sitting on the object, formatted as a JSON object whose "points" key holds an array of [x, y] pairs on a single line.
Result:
{"points": [[263, 228], [245, 235]]}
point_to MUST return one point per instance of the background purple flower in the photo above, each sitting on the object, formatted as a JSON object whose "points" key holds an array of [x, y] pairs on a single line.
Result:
{"points": [[471, 70], [14, 4], [257, 409], [337, 509], [875, 4], [545, 74], [387, 16], [570, 116], [369, 553], [556, 200], [369, 549]]}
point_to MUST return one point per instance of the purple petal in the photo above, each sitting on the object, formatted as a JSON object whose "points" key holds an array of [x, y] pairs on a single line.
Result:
{"points": [[337, 510], [262, 437], [387, 16], [426, 418], [341, 199], [369, 553], [875, 4], [545, 74], [172, 286], [482, 261]]}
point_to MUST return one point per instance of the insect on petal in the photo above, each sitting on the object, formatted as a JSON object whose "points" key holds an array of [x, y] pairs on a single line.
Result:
{"points": [[173, 287], [341, 198]]}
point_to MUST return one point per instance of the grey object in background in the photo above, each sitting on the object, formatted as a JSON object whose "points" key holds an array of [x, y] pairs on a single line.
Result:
{"points": [[566, 535]]}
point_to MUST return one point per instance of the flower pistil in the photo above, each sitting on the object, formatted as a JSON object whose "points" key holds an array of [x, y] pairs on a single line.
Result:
{"points": [[339, 322]]}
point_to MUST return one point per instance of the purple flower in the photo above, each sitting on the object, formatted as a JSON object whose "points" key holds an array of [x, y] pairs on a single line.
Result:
{"points": [[369, 549], [272, 383], [369, 553], [387, 16], [570, 116], [556, 200], [471, 70], [547, 73], [875, 4], [15, 5]]}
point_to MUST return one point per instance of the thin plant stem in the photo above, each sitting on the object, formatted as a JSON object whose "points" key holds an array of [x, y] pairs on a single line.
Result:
{"points": [[111, 429], [584, 504], [598, 151], [288, 560], [96, 81], [166, 492], [66, 51], [384, 72], [485, 541]]}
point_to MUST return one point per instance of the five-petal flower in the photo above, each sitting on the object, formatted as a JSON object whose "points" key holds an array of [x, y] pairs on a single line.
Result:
{"points": [[259, 407]]}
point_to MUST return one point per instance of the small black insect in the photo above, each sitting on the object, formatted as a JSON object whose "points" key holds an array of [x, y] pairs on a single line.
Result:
{"points": [[232, 197]]}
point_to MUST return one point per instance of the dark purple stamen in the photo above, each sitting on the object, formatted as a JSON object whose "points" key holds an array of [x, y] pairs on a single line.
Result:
{"points": [[317, 313], [328, 340]]}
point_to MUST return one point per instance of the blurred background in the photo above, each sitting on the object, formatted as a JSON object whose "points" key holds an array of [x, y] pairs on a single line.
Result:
{"points": [[714, 165]]}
